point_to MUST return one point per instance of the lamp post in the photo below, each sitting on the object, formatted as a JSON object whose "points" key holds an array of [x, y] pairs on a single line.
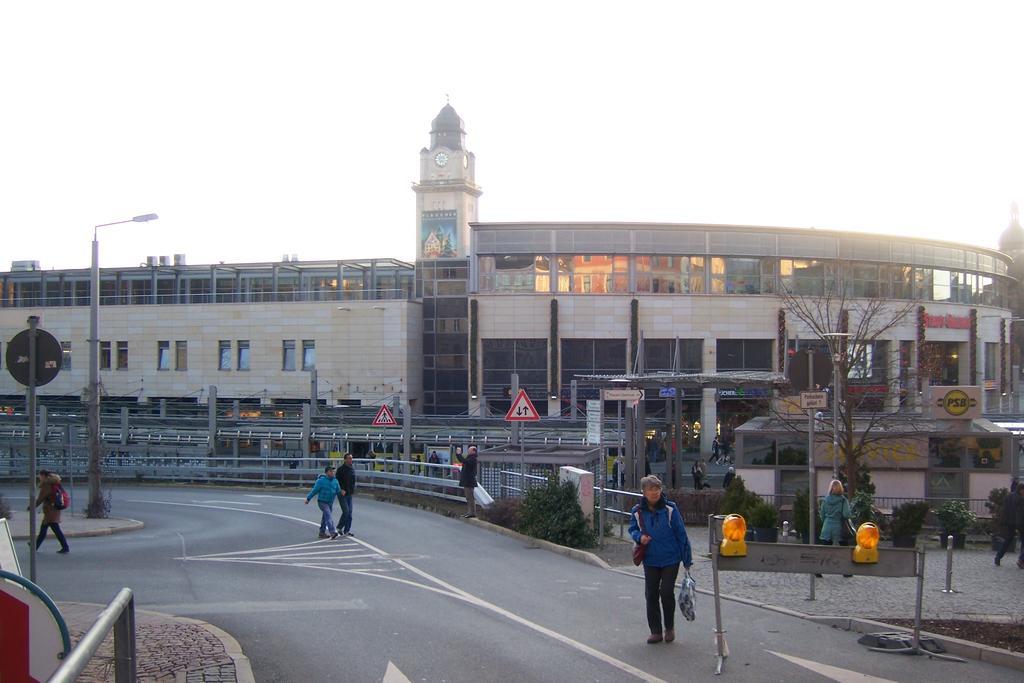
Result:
{"points": [[836, 394], [93, 417]]}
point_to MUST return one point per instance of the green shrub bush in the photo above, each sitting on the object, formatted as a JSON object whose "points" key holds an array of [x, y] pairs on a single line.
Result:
{"points": [[506, 512], [907, 519], [552, 513], [763, 516], [738, 500]]}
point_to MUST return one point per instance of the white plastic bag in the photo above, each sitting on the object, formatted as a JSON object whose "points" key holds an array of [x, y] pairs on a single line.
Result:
{"points": [[688, 597]]}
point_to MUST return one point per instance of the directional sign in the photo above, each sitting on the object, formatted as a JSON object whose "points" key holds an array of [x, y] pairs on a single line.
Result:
{"points": [[622, 394], [522, 409], [812, 400], [595, 413], [31, 644], [48, 357], [668, 392], [385, 418]]}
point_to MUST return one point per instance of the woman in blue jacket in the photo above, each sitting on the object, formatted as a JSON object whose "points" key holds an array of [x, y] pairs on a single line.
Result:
{"points": [[655, 522]]}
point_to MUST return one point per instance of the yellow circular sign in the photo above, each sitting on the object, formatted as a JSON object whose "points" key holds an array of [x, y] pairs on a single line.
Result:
{"points": [[956, 402]]}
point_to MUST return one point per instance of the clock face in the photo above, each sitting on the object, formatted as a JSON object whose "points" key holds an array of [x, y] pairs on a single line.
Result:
{"points": [[441, 159]]}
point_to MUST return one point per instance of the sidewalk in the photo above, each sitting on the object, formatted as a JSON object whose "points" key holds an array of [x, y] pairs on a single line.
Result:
{"points": [[74, 526], [169, 649]]}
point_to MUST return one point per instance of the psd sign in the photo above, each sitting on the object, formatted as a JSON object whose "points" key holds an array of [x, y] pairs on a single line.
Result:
{"points": [[955, 403]]}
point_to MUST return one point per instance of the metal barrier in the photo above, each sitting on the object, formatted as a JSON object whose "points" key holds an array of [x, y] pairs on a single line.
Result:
{"points": [[119, 615]]}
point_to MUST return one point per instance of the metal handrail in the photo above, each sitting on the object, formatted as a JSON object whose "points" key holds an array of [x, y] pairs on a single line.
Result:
{"points": [[118, 616]]}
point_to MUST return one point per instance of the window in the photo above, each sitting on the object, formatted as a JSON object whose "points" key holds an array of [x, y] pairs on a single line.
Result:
{"points": [[991, 359], [181, 355], [736, 276], [224, 355], [592, 357], [665, 354], [502, 357], [744, 354], [104, 355], [243, 354], [670, 274], [65, 353], [511, 273], [288, 354], [308, 354], [163, 355], [805, 277], [593, 274], [122, 355]]}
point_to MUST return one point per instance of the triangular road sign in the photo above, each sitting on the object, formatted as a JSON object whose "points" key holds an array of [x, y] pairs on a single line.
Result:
{"points": [[522, 409], [385, 418]]}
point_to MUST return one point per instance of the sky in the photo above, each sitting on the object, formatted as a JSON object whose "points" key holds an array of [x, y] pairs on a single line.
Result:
{"points": [[256, 129]]}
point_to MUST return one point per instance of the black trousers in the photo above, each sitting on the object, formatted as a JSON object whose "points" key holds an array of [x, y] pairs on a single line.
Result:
{"points": [[1008, 541], [659, 589], [56, 532]]}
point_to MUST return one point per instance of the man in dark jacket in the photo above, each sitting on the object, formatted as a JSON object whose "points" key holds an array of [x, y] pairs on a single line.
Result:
{"points": [[347, 483], [467, 479], [729, 476], [1012, 522]]}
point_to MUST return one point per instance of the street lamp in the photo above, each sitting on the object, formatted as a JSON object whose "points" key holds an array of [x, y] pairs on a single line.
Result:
{"points": [[836, 393], [93, 418]]}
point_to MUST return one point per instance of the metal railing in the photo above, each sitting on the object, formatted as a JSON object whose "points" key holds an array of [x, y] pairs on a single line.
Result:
{"points": [[118, 616]]}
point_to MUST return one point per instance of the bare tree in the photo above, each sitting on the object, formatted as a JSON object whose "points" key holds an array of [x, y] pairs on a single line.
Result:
{"points": [[851, 329]]}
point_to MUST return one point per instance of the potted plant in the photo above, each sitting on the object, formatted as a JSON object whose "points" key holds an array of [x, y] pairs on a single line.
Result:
{"points": [[996, 501], [954, 517], [801, 517], [907, 520], [764, 519]]}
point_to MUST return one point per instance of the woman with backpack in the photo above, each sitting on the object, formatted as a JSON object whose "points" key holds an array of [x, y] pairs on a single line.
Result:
{"points": [[49, 490]]}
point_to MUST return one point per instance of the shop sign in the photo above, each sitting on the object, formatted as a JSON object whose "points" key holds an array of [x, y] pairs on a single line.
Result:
{"points": [[955, 403], [744, 392], [948, 321], [669, 392]]}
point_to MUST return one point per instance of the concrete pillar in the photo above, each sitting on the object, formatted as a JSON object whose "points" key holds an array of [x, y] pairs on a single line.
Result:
{"points": [[708, 419], [892, 396], [211, 409]]}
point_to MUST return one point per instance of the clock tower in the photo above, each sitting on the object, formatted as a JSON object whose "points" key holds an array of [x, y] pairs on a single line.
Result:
{"points": [[446, 194]]}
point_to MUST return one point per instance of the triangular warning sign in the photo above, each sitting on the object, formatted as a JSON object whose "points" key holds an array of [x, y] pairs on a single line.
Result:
{"points": [[385, 418], [522, 409]]}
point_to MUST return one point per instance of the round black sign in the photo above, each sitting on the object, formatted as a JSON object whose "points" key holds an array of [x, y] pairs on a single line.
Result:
{"points": [[48, 357]]}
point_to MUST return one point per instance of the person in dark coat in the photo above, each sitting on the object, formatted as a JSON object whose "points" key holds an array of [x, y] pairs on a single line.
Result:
{"points": [[1012, 522], [729, 476], [347, 487], [655, 522], [467, 479], [697, 470], [51, 515]]}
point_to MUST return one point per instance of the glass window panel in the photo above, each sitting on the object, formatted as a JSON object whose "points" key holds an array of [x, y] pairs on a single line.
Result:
{"points": [[945, 485], [791, 452], [224, 355], [288, 354], [308, 354], [243, 354], [181, 355], [122, 355], [940, 285], [65, 350], [758, 450], [163, 355], [104, 355]]}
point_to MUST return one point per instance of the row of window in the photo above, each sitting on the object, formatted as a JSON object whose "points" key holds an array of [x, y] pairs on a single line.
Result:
{"points": [[604, 274], [231, 355]]}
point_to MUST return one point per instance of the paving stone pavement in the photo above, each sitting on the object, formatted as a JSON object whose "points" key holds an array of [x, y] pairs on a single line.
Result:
{"points": [[168, 649], [985, 590]]}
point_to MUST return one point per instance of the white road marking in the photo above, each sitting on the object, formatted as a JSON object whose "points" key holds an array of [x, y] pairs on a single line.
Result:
{"points": [[393, 675], [450, 590], [832, 672], [227, 502], [248, 606]]}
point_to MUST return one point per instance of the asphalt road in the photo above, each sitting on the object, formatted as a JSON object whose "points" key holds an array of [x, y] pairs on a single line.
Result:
{"points": [[418, 595]]}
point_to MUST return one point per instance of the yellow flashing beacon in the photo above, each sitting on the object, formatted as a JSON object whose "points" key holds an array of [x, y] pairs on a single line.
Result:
{"points": [[734, 532], [866, 551]]}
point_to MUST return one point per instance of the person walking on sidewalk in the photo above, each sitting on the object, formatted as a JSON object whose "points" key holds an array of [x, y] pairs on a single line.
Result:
{"points": [[835, 514], [1012, 522], [697, 470], [655, 522], [326, 490], [48, 485], [467, 479], [347, 486]]}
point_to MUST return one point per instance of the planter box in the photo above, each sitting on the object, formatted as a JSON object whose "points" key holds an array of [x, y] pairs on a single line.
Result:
{"points": [[904, 541]]}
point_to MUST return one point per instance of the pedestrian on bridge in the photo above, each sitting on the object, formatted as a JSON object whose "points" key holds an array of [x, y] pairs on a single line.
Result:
{"points": [[347, 484], [326, 490], [655, 522], [467, 479]]}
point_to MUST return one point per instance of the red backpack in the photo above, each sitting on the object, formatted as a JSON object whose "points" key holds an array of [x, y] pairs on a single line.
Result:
{"points": [[61, 499]]}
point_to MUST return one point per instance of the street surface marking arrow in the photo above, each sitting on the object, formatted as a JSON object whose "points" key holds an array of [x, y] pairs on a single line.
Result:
{"points": [[832, 672], [393, 675]]}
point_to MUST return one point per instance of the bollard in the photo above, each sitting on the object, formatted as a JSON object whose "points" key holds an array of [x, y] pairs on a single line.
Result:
{"points": [[785, 532], [949, 565]]}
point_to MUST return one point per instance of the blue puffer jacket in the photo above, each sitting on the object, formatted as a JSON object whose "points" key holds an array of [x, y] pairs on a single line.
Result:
{"points": [[669, 543], [325, 489]]}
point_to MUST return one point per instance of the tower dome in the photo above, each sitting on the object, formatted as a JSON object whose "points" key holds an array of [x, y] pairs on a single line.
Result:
{"points": [[1012, 239], [447, 129]]}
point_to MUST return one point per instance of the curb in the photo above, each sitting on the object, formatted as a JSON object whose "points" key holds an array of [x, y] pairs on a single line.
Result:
{"points": [[243, 667], [574, 553], [132, 525]]}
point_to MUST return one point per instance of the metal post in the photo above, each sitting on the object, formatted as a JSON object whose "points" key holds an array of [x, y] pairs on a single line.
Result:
{"points": [[722, 648], [949, 565], [33, 321], [124, 644], [917, 604], [517, 438], [620, 461], [572, 400], [93, 417], [785, 531], [835, 418], [811, 484]]}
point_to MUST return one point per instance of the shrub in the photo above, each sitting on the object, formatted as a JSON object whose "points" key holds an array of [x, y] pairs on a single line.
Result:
{"points": [[996, 501], [738, 500], [5, 509], [552, 513], [763, 516], [505, 512], [863, 508], [801, 513], [907, 519], [955, 516]]}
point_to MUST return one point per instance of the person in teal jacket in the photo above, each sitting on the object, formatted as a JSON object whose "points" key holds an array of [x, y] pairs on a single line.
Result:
{"points": [[834, 511], [325, 489]]}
